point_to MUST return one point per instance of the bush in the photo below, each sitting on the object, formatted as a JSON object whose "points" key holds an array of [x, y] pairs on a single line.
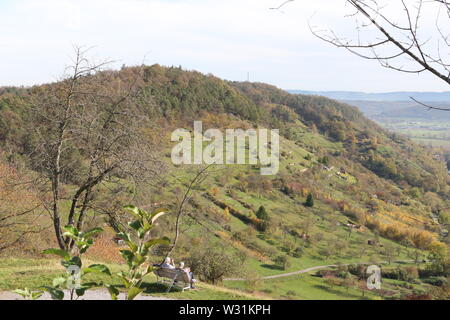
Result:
{"points": [[291, 293], [262, 214], [409, 274], [214, 262], [436, 281], [298, 253], [309, 201], [283, 262]]}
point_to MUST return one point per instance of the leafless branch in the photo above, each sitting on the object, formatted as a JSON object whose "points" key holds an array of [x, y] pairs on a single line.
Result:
{"points": [[195, 181], [429, 107], [282, 5], [400, 47]]}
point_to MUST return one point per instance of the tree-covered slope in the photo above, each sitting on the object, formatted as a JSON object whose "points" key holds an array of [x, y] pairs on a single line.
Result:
{"points": [[347, 190]]}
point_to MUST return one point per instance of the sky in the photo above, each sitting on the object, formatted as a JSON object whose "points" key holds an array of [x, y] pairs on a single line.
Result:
{"points": [[228, 38]]}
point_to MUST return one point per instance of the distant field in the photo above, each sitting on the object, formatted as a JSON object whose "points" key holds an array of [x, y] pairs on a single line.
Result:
{"points": [[433, 142], [431, 133]]}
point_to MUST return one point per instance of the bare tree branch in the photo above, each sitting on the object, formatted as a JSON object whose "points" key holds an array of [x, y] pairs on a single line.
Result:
{"points": [[400, 47], [281, 5], [196, 180], [88, 133], [429, 107]]}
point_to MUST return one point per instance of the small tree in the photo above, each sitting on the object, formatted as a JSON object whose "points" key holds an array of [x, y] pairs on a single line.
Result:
{"points": [[438, 256], [214, 262], [327, 251], [416, 255], [262, 214], [283, 262], [309, 201], [348, 282], [73, 279], [137, 254], [87, 131], [389, 252]]}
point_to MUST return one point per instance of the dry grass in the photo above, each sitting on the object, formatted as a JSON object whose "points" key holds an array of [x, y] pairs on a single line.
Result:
{"points": [[105, 249]]}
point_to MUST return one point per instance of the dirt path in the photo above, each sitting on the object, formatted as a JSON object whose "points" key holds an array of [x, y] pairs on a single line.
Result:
{"points": [[90, 295]]}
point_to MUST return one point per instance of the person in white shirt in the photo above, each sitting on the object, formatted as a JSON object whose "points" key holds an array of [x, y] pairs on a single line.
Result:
{"points": [[168, 264], [188, 271]]}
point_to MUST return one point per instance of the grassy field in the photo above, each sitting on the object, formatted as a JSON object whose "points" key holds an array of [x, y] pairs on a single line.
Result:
{"points": [[431, 133], [34, 273], [433, 142], [305, 287], [308, 286]]}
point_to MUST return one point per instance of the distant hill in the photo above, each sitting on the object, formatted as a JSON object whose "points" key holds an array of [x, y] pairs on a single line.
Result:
{"points": [[388, 96], [378, 110], [396, 105]]}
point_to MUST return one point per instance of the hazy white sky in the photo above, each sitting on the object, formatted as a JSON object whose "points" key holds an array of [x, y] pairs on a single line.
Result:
{"points": [[225, 37]]}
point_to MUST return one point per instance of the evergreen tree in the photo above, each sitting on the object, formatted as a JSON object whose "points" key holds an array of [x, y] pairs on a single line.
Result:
{"points": [[309, 201], [262, 214]]}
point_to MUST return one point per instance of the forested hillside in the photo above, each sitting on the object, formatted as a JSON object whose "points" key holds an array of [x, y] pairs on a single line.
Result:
{"points": [[347, 191]]}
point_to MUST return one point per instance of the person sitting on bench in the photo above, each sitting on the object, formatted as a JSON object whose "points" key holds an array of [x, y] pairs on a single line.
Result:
{"points": [[168, 264], [188, 271]]}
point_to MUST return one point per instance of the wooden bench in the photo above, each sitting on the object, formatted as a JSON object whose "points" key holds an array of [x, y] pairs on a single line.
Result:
{"points": [[175, 275]]}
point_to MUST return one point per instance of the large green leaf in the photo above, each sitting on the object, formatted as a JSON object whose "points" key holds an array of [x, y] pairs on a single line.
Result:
{"points": [[86, 286], [97, 268], [128, 256], [124, 236], [151, 243], [133, 292], [123, 277], [92, 232], [36, 295], [157, 214], [59, 252], [29, 294], [69, 229], [133, 210], [74, 261], [136, 224], [59, 281], [56, 294], [113, 291], [23, 292]]}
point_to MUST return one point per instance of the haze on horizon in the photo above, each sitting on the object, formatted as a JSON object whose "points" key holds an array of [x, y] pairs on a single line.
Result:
{"points": [[229, 39]]}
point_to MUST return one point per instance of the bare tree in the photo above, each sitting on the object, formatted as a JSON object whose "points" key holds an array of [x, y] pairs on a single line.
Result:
{"points": [[398, 34], [88, 142], [183, 199]]}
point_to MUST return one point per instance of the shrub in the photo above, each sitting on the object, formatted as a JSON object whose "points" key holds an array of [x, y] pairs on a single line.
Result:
{"points": [[214, 262], [298, 253], [283, 262], [262, 214], [436, 281], [309, 201]]}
